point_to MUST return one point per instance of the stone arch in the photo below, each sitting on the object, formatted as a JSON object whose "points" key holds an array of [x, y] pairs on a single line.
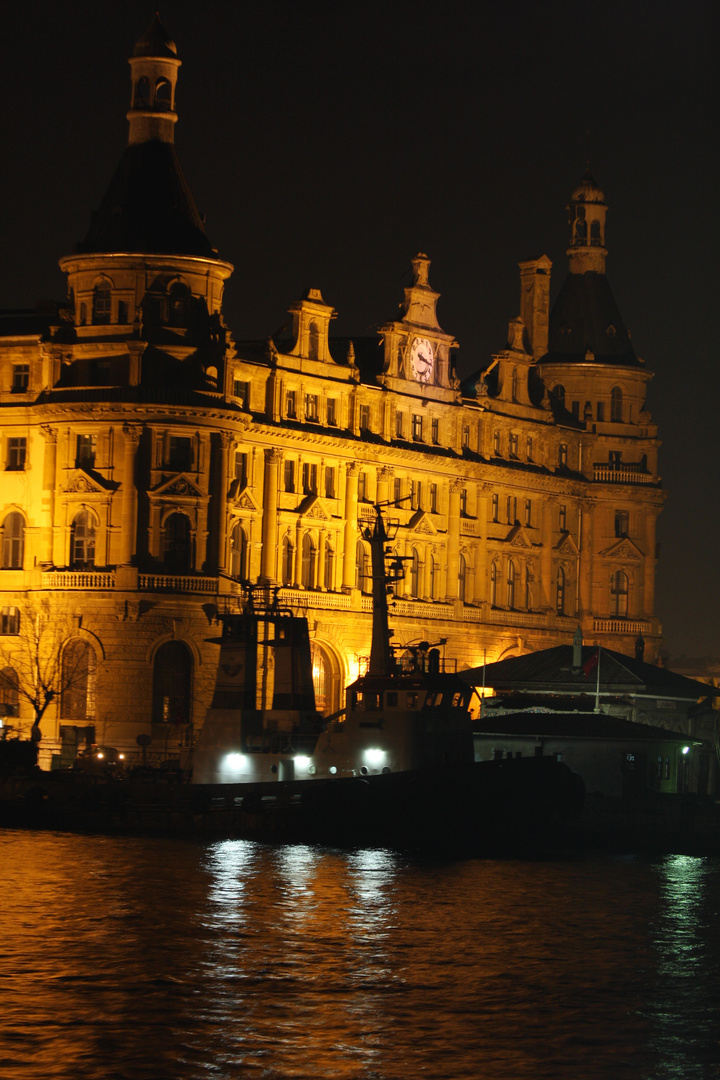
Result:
{"points": [[83, 532], [327, 671], [78, 679], [13, 540], [172, 682], [619, 594], [177, 542], [141, 93]]}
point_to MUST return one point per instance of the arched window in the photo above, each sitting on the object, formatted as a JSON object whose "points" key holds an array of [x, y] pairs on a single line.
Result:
{"points": [[559, 395], [82, 541], [163, 95], [363, 574], [511, 584], [141, 99], [172, 684], [78, 681], [177, 544], [514, 384], [462, 577], [179, 304], [493, 584], [13, 542], [434, 578], [326, 678], [415, 574], [560, 593], [9, 692], [238, 553], [595, 237], [329, 581], [616, 405], [288, 553], [528, 589], [102, 304], [581, 227], [619, 594], [307, 562], [314, 342]]}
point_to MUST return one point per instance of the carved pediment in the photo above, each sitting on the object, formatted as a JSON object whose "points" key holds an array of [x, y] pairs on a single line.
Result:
{"points": [[181, 485], [81, 483], [566, 545], [244, 500], [519, 537], [421, 522], [622, 550], [312, 507]]}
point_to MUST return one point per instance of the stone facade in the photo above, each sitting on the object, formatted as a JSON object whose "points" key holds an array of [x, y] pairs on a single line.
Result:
{"points": [[151, 463]]}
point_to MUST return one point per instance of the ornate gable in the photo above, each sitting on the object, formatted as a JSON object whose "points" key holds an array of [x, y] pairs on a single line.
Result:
{"points": [[519, 537], [623, 550], [181, 485], [244, 500], [421, 523], [567, 546], [81, 483], [313, 507]]}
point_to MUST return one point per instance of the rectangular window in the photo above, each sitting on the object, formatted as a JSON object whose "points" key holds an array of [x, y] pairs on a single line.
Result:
{"points": [[398, 425], [309, 478], [511, 509], [311, 408], [513, 446], [562, 454], [530, 448], [397, 490], [290, 404], [575, 409], [20, 378], [496, 443], [240, 391], [179, 453], [332, 412], [100, 372], [329, 482], [362, 487], [495, 507], [241, 470], [528, 511], [563, 518], [622, 523], [601, 411], [123, 312], [417, 427], [465, 436], [433, 498], [435, 431], [17, 452], [364, 418], [615, 458], [9, 621], [85, 452], [289, 475], [463, 502]]}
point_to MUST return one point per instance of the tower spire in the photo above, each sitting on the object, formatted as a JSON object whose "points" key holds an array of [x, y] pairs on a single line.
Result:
{"points": [[154, 69]]}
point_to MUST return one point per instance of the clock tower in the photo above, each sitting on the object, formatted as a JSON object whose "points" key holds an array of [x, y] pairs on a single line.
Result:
{"points": [[417, 358]]}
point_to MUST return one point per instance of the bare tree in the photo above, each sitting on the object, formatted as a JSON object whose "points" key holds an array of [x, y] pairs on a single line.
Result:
{"points": [[36, 666]]}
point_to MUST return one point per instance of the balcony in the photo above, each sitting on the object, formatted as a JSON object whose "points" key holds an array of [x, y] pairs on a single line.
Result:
{"points": [[621, 626], [627, 473], [177, 583], [79, 579]]}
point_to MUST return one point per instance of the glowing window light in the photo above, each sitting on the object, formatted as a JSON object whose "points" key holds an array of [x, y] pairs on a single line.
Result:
{"points": [[235, 761], [302, 762], [374, 756]]}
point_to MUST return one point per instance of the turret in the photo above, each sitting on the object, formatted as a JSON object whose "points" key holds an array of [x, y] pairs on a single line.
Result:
{"points": [[586, 216], [154, 65]]}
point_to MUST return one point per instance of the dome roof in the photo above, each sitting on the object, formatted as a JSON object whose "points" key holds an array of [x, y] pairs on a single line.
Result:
{"points": [[155, 41], [587, 190]]}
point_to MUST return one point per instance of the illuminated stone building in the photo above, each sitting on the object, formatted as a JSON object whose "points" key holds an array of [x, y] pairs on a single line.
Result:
{"points": [[151, 463]]}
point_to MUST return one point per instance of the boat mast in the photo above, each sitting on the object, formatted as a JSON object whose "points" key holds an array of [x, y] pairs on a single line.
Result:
{"points": [[381, 658]]}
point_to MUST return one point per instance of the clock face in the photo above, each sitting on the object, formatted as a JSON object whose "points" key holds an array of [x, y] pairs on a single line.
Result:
{"points": [[422, 360]]}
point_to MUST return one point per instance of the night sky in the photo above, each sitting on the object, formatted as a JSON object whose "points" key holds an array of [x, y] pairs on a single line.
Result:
{"points": [[329, 143]]}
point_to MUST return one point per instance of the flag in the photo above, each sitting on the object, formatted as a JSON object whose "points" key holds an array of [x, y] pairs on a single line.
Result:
{"points": [[592, 662]]}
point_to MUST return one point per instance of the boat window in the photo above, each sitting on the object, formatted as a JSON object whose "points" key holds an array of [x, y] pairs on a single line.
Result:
{"points": [[373, 700], [457, 700], [391, 697], [357, 698], [412, 700]]}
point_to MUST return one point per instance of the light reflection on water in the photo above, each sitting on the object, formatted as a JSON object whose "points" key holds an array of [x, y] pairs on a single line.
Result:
{"points": [[125, 958]]}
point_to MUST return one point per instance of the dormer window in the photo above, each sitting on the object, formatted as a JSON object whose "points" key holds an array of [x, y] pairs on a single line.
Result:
{"points": [[314, 342], [102, 304]]}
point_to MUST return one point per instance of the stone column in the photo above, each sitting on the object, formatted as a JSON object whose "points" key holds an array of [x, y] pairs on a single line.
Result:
{"points": [[453, 539], [585, 560], [273, 458], [479, 587], [384, 476], [227, 443], [297, 567], [128, 533], [50, 436], [650, 543], [546, 534], [320, 584], [350, 538]]}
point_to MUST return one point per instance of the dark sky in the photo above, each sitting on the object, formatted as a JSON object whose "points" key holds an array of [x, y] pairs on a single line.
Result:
{"points": [[328, 143]]}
